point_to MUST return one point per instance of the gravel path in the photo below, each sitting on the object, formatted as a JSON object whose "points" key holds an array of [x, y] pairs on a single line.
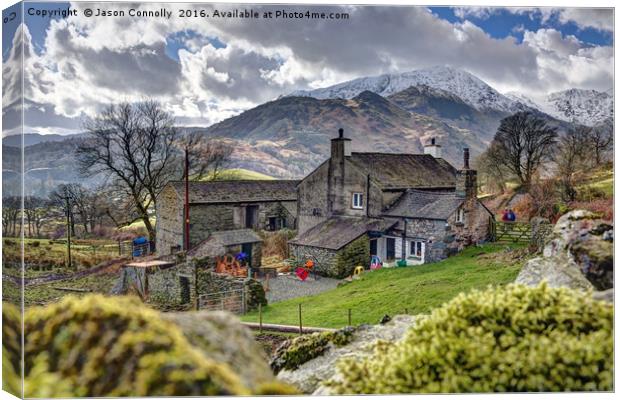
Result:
{"points": [[286, 287]]}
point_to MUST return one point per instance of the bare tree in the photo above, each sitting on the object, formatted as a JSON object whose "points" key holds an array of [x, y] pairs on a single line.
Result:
{"points": [[133, 145], [492, 175], [571, 156], [11, 215], [522, 143], [61, 198], [36, 210], [207, 157], [600, 141]]}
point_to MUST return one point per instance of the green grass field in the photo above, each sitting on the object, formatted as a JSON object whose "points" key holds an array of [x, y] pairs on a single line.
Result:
{"points": [[603, 180], [390, 291], [239, 174]]}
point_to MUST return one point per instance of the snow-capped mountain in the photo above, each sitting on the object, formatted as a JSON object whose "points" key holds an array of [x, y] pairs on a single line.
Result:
{"points": [[587, 107], [466, 86], [521, 98]]}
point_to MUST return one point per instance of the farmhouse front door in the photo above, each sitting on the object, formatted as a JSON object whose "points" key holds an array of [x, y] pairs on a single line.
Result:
{"points": [[373, 247], [390, 251]]}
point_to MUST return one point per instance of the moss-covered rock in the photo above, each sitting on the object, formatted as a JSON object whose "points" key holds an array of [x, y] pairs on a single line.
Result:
{"points": [[11, 349], [294, 352], [514, 338], [96, 346], [221, 337]]}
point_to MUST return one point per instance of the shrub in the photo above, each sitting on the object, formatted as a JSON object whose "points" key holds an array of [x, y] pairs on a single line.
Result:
{"points": [[96, 346], [504, 339], [9, 242]]}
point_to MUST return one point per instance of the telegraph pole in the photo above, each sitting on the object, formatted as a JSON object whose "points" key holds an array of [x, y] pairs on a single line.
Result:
{"points": [[186, 198], [68, 232]]}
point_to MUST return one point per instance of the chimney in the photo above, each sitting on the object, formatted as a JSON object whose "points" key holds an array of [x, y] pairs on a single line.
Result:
{"points": [[465, 158], [433, 149], [466, 179], [340, 149]]}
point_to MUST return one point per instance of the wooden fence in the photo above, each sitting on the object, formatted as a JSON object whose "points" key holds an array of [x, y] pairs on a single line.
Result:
{"points": [[513, 232]]}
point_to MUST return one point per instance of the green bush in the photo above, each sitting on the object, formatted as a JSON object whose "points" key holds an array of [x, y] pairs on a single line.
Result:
{"points": [[96, 346], [504, 339]]}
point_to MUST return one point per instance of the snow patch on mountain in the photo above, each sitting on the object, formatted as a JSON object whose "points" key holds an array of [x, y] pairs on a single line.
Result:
{"points": [[466, 86], [523, 99], [587, 107]]}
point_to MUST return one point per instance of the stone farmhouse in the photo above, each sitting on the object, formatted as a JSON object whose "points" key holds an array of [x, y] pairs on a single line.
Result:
{"points": [[224, 215], [416, 208]]}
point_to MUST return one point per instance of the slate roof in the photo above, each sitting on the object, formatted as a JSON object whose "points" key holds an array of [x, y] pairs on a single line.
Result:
{"points": [[401, 171], [221, 239], [425, 205], [337, 232], [239, 191]]}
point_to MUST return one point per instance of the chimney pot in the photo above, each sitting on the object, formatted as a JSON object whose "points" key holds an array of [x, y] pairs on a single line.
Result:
{"points": [[466, 158], [340, 133]]}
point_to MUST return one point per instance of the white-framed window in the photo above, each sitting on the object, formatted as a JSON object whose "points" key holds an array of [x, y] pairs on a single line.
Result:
{"points": [[416, 248], [357, 200], [460, 215]]}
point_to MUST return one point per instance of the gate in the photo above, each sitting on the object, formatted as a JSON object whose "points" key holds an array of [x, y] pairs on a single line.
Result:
{"points": [[231, 300], [513, 232]]}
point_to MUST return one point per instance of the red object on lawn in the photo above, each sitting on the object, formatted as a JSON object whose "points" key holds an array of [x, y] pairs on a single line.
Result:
{"points": [[302, 273]]}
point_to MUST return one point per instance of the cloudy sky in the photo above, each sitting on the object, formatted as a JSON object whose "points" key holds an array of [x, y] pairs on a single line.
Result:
{"points": [[205, 70]]}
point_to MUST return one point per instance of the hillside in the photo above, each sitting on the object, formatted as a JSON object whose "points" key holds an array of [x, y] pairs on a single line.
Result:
{"points": [[290, 136], [390, 291]]}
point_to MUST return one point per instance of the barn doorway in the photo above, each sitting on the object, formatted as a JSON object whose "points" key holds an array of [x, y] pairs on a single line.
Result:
{"points": [[251, 216], [247, 249]]}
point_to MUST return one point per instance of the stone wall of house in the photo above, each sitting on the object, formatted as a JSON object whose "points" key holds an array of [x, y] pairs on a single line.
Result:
{"points": [[325, 258], [475, 229], [335, 264], [438, 238], [207, 218], [312, 199], [169, 221], [355, 253], [174, 286], [166, 287]]}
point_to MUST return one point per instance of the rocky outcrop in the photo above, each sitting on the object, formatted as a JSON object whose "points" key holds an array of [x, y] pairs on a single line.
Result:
{"points": [[308, 374], [97, 346], [578, 255], [221, 337]]}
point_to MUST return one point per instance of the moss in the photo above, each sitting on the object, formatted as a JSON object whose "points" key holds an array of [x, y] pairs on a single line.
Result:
{"points": [[11, 349], [276, 388], [513, 339], [97, 346], [293, 353], [355, 253]]}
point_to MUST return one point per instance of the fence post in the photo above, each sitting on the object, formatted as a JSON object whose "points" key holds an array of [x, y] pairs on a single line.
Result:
{"points": [[260, 318], [349, 317], [300, 326]]}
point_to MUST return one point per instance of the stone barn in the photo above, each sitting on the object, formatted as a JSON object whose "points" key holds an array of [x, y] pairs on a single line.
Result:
{"points": [[412, 208], [216, 206]]}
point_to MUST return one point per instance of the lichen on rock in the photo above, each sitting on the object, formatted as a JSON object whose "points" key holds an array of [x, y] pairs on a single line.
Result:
{"points": [[307, 370]]}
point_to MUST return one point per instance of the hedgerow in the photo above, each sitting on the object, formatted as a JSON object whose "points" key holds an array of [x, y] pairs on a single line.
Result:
{"points": [[512, 338]]}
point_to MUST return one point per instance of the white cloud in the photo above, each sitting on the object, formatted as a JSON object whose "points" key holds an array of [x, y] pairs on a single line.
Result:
{"points": [[597, 18], [88, 62]]}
